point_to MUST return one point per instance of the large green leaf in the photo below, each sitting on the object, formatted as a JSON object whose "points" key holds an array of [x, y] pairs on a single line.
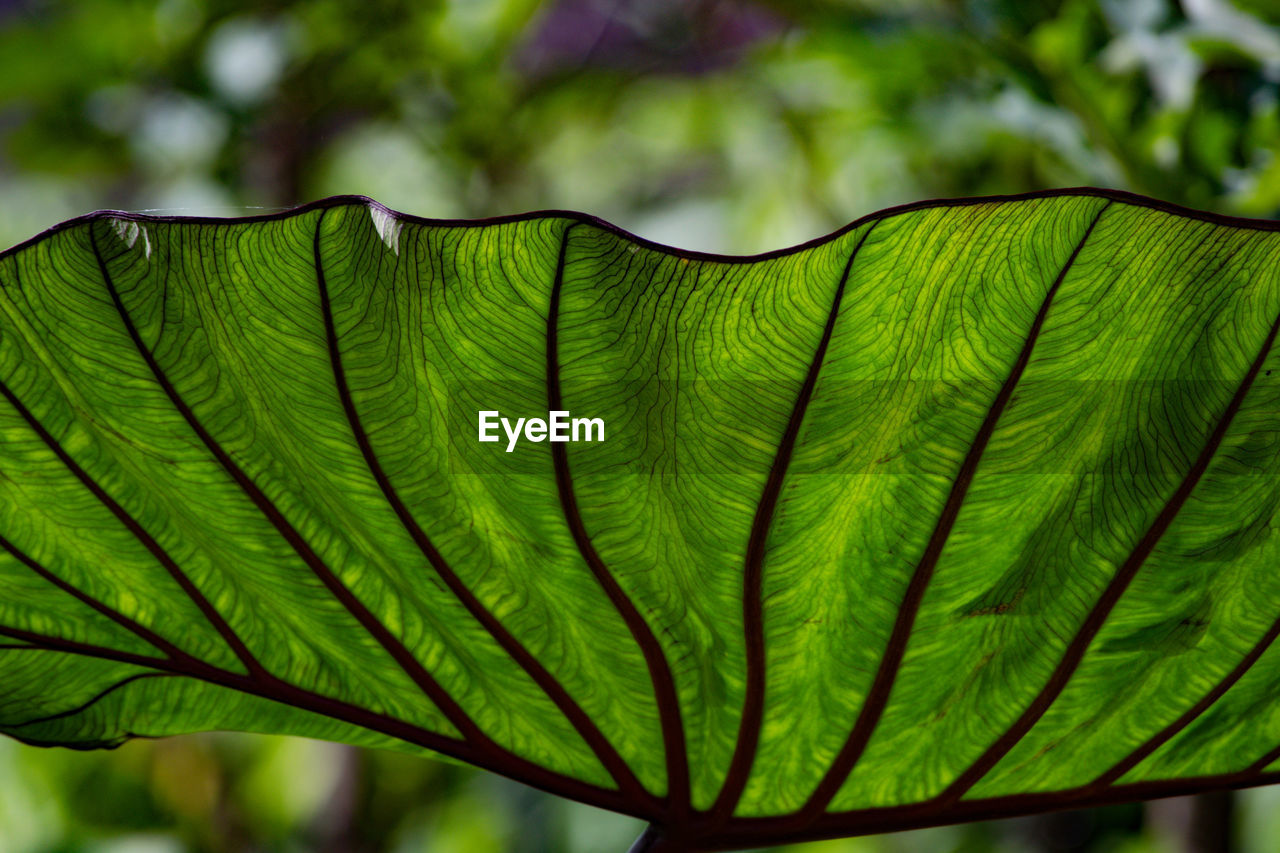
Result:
{"points": [[965, 510]]}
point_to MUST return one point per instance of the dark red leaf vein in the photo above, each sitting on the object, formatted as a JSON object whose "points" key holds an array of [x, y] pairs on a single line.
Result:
{"points": [[756, 832], [677, 761], [302, 699], [139, 630], [224, 629], [887, 672], [1160, 738], [1111, 595], [84, 706], [744, 752], [389, 642], [627, 783], [1265, 761]]}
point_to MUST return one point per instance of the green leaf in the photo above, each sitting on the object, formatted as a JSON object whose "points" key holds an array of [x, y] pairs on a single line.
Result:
{"points": [[965, 510]]}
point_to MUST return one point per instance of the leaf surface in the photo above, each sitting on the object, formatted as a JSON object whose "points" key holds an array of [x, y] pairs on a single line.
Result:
{"points": [[965, 510]]}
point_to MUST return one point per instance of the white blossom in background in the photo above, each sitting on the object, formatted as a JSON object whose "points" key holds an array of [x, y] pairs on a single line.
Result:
{"points": [[246, 57]]}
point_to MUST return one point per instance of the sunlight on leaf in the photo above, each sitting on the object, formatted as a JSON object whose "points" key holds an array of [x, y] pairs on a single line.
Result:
{"points": [[963, 511]]}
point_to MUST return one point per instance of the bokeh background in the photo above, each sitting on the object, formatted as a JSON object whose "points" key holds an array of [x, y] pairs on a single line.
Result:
{"points": [[719, 125]]}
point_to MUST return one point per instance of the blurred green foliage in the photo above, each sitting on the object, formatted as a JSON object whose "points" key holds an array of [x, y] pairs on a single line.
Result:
{"points": [[707, 124], [722, 125]]}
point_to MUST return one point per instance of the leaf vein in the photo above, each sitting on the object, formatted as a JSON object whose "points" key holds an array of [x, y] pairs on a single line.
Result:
{"points": [[607, 755], [878, 697], [676, 756]]}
